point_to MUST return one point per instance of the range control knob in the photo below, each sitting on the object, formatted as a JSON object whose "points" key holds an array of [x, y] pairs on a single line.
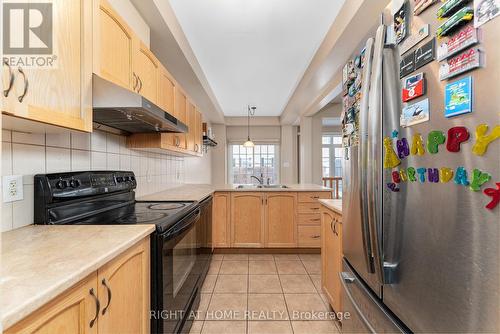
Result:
{"points": [[61, 184], [74, 183], [127, 178], [119, 179]]}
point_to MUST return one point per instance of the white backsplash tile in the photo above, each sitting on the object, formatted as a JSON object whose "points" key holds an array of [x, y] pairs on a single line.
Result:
{"points": [[30, 154], [28, 160], [58, 139], [58, 159]]}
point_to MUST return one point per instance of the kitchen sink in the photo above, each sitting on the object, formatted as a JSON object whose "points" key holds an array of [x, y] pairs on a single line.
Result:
{"points": [[260, 186]]}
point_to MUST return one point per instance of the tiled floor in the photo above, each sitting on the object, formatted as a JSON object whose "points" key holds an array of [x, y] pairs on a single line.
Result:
{"points": [[264, 294]]}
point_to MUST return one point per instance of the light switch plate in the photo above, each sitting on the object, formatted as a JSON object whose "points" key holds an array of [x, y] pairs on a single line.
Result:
{"points": [[12, 188]]}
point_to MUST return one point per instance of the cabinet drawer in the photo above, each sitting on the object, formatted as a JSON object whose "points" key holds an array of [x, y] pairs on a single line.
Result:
{"points": [[311, 208], [308, 197], [309, 219], [309, 236]]}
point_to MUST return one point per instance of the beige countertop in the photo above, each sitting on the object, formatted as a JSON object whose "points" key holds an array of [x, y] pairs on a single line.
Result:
{"points": [[39, 262], [197, 192], [332, 204]]}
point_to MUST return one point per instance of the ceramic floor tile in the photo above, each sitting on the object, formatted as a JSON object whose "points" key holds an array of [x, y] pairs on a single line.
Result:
{"points": [[262, 267], [234, 268], [310, 257], [264, 284], [297, 284], [196, 327], [214, 267], [267, 307], [306, 307], [209, 284], [286, 257], [314, 327], [231, 284], [290, 268], [217, 257], [224, 327], [313, 267], [236, 257], [261, 257], [316, 279], [203, 307], [269, 327], [227, 307]]}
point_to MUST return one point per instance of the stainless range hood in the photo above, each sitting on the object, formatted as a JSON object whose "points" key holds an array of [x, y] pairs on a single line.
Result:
{"points": [[122, 109]]}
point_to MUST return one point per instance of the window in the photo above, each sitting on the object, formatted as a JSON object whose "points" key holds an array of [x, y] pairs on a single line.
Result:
{"points": [[332, 154], [247, 161]]}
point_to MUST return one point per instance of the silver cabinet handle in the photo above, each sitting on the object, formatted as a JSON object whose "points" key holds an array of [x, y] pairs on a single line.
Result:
{"points": [[177, 141], [314, 197], [21, 97], [11, 79], [103, 282], [97, 308], [135, 81]]}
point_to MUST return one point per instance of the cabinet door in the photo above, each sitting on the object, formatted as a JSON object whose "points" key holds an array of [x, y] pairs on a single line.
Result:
{"points": [[146, 70], [179, 139], [166, 91], [247, 219], [113, 46], [124, 292], [281, 227], [331, 257], [220, 220], [58, 94], [191, 123], [71, 312], [198, 132]]}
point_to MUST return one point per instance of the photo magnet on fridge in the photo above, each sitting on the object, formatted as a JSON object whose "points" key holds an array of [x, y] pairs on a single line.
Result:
{"points": [[458, 97], [415, 113], [413, 87], [414, 39], [401, 22], [485, 10], [463, 62], [407, 65], [421, 5], [425, 54], [465, 37]]}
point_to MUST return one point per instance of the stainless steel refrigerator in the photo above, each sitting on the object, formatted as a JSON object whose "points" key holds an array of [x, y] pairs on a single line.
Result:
{"points": [[423, 258]]}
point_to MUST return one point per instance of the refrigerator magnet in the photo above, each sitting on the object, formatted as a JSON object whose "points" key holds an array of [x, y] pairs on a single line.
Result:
{"points": [[466, 61], [464, 38], [483, 139], [413, 87], [407, 65], [456, 20], [421, 5], [495, 196], [401, 22], [449, 7], [485, 10], [412, 40], [478, 179], [458, 97], [391, 159], [415, 113], [425, 54]]}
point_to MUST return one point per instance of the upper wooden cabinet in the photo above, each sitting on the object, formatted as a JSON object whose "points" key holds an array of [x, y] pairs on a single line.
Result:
{"points": [[281, 228], [166, 91], [191, 123], [58, 94], [72, 312], [113, 46], [198, 132], [145, 74], [247, 219]]}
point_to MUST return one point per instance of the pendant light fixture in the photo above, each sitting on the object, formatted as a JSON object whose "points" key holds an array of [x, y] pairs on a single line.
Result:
{"points": [[249, 142]]}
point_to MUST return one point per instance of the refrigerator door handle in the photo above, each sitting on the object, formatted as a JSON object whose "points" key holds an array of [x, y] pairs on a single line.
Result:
{"points": [[363, 152], [374, 165], [347, 278]]}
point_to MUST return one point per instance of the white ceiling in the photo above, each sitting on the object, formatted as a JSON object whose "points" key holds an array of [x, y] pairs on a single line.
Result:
{"points": [[255, 51]]}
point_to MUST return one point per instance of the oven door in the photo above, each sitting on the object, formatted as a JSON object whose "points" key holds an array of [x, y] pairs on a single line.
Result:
{"points": [[179, 274]]}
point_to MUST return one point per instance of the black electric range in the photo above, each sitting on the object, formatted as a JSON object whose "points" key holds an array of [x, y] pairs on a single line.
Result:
{"points": [[180, 247]]}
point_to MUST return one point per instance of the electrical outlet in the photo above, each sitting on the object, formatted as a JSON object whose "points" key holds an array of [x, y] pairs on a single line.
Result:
{"points": [[12, 188]]}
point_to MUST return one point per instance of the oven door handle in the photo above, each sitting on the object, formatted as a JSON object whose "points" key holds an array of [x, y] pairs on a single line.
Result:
{"points": [[185, 223]]}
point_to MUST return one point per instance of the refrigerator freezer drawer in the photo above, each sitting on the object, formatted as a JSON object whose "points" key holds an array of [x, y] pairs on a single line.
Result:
{"points": [[363, 312]]}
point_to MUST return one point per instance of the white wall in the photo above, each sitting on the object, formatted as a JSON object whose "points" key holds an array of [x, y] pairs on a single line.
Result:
{"points": [[306, 146], [257, 133], [219, 155], [289, 154]]}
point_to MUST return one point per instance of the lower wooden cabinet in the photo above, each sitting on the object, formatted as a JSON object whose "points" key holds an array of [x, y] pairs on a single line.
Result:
{"points": [[247, 219], [309, 236], [221, 214], [331, 257], [281, 223], [72, 312], [113, 299]]}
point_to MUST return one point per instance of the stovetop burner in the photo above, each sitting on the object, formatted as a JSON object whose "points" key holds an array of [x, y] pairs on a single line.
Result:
{"points": [[166, 206], [149, 217]]}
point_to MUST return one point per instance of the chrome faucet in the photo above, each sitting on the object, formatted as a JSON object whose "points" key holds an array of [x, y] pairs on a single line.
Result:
{"points": [[260, 180]]}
